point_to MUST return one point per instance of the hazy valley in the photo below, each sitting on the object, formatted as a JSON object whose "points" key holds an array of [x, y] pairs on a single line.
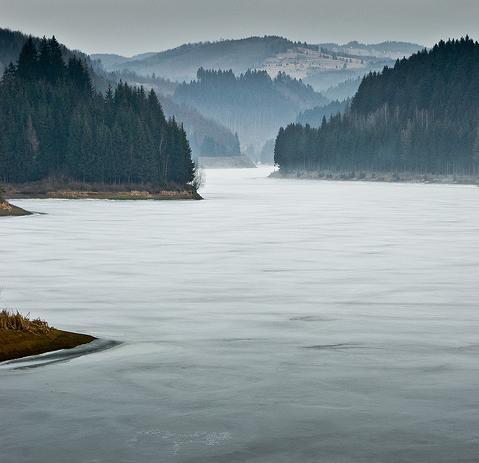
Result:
{"points": [[332, 69]]}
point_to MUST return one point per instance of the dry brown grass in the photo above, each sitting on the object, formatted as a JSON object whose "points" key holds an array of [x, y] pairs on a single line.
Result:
{"points": [[21, 337], [17, 322], [7, 209], [53, 185]]}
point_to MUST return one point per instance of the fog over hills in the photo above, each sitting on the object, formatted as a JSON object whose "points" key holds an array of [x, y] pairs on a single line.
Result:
{"points": [[213, 116], [333, 69], [322, 65], [250, 104], [182, 63]]}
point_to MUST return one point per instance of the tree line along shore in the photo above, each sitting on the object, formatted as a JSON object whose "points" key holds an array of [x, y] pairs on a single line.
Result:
{"points": [[378, 176]]}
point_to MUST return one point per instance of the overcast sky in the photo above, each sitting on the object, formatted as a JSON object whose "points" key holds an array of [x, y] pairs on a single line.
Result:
{"points": [[134, 26]]}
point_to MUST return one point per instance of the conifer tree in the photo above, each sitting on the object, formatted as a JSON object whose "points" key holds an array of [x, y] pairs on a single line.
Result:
{"points": [[27, 62], [475, 149]]}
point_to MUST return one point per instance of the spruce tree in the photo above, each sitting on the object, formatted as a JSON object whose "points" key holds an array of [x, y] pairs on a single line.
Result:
{"points": [[27, 62]]}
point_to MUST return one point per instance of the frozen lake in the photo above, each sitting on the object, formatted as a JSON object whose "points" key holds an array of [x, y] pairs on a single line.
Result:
{"points": [[277, 321]]}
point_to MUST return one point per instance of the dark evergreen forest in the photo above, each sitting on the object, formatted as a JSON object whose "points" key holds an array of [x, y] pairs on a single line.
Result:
{"points": [[422, 115], [54, 124]]}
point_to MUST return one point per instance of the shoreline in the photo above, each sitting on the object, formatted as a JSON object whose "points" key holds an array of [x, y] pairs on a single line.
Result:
{"points": [[16, 344], [59, 189], [109, 195], [21, 337], [385, 177]]}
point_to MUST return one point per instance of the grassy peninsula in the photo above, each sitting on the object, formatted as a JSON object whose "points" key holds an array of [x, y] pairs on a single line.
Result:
{"points": [[8, 210], [21, 337]]}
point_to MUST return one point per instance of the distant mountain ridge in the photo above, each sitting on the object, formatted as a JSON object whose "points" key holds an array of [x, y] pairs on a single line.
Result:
{"points": [[181, 63], [271, 53]]}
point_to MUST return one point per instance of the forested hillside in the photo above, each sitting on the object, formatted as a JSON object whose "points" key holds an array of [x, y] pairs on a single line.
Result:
{"points": [[10, 45], [422, 115], [161, 86], [207, 137], [200, 129], [344, 90], [251, 104], [315, 116], [333, 71], [54, 124]]}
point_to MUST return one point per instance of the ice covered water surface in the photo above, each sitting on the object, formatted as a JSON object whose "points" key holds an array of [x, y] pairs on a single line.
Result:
{"points": [[275, 321]]}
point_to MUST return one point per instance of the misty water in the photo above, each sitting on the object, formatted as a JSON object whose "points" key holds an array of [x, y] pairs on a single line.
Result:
{"points": [[276, 321]]}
